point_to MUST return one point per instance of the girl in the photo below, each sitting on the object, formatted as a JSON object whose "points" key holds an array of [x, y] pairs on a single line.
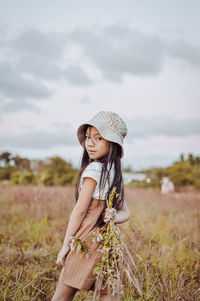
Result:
{"points": [[102, 140]]}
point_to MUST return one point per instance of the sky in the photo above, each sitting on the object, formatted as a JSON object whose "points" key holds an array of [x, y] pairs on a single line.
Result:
{"points": [[61, 62]]}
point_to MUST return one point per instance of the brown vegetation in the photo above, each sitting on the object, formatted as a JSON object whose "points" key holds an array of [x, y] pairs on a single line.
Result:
{"points": [[162, 235]]}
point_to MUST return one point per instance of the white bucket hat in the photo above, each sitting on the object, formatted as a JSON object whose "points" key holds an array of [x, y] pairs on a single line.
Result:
{"points": [[110, 126]]}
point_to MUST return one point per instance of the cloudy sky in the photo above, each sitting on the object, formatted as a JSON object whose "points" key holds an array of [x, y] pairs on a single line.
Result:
{"points": [[63, 61]]}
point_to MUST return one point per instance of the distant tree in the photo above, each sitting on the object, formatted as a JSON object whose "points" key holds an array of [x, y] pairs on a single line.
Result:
{"points": [[25, 163], [182, 173], [182, 158], [57, 172], [38, 166], [45, 178], [6, 158], [127, 169], [22, 178], [21, 163], [197, 160], [58, 165], [158, 173], [191, 159], [17, 161], [5, 173]]}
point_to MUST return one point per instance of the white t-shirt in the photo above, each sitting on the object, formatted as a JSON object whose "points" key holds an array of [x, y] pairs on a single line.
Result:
{"points": [[93, 170]]}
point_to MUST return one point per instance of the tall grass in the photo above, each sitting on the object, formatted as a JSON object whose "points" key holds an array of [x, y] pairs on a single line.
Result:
{"points": [[162, 235]]}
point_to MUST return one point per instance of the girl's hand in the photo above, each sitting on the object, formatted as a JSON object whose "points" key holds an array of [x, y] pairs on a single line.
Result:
{"points": [[62, 254], [109, 214]]}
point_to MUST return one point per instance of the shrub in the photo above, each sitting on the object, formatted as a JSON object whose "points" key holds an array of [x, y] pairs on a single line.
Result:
{"points": [[22, 178]]}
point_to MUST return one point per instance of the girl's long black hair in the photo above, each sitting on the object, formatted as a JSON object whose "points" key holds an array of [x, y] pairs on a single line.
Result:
{"points": [[114, 158]]}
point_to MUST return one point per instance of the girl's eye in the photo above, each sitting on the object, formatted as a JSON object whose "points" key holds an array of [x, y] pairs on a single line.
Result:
{"points": [[98, 138]]}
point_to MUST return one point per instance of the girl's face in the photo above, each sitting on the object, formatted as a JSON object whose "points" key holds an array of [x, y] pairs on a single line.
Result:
{"points": [[95, 144]]}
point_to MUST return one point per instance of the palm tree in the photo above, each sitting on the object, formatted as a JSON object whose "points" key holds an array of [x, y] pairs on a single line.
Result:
{"points": [[6, 158]]}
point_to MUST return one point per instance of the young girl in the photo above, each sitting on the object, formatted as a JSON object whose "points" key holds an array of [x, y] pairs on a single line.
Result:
{"points": [[102, 140]]}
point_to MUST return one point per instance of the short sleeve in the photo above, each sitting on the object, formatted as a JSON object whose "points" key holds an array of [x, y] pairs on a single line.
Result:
{"points": [[93, 170]]}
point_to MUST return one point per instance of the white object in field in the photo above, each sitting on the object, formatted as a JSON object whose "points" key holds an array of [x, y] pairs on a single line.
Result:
{"points": [[166, 185], [148, 180]]}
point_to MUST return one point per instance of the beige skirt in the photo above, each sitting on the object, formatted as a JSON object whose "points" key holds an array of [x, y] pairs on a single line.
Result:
{"points": [[78, 270]]}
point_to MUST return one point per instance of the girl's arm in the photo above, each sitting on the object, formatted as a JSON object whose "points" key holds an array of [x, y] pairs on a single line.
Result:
{"points": [[119, 216], [80, 209], [122, 215]]}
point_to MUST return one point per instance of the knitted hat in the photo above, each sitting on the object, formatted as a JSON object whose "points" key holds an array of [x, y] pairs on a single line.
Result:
{"points": [[110, 126]]}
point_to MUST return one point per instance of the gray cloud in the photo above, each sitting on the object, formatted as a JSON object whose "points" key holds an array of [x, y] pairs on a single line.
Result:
{"points": [[77, 76], [30, 57], [118, 50], [162, 125], [19, 92], [17, 105], [25, 61], [47, 69], [41, 55], [15, 85], [85, 99], [184, 51], [38, 139], [64, 134], [63, 125], [39, 43], [40, 67]]}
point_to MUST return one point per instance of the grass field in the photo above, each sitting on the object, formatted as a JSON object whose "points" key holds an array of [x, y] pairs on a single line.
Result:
{"points": [[162, 235]]}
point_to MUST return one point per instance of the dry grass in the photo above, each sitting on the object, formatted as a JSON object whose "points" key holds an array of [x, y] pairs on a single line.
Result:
{"points": [[162, 235]]}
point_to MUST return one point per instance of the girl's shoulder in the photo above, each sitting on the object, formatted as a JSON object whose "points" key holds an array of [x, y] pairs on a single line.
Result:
{"points": [[94, 167], [93, 170], [95, 164]]}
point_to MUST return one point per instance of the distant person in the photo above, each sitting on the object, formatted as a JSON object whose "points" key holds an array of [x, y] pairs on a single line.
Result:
{"points": [[102, 140], [167, 186]]}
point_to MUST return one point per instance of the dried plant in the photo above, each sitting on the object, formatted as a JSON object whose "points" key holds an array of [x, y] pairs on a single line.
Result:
{"points": [[116, 258], [79, 245]]}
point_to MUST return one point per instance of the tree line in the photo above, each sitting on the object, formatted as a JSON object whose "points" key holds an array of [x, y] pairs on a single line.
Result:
{"points": [[17, 170], [183, 172]]}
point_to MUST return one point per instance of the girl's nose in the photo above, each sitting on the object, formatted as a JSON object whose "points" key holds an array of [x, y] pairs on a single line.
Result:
{"points": [[91, 142]]}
